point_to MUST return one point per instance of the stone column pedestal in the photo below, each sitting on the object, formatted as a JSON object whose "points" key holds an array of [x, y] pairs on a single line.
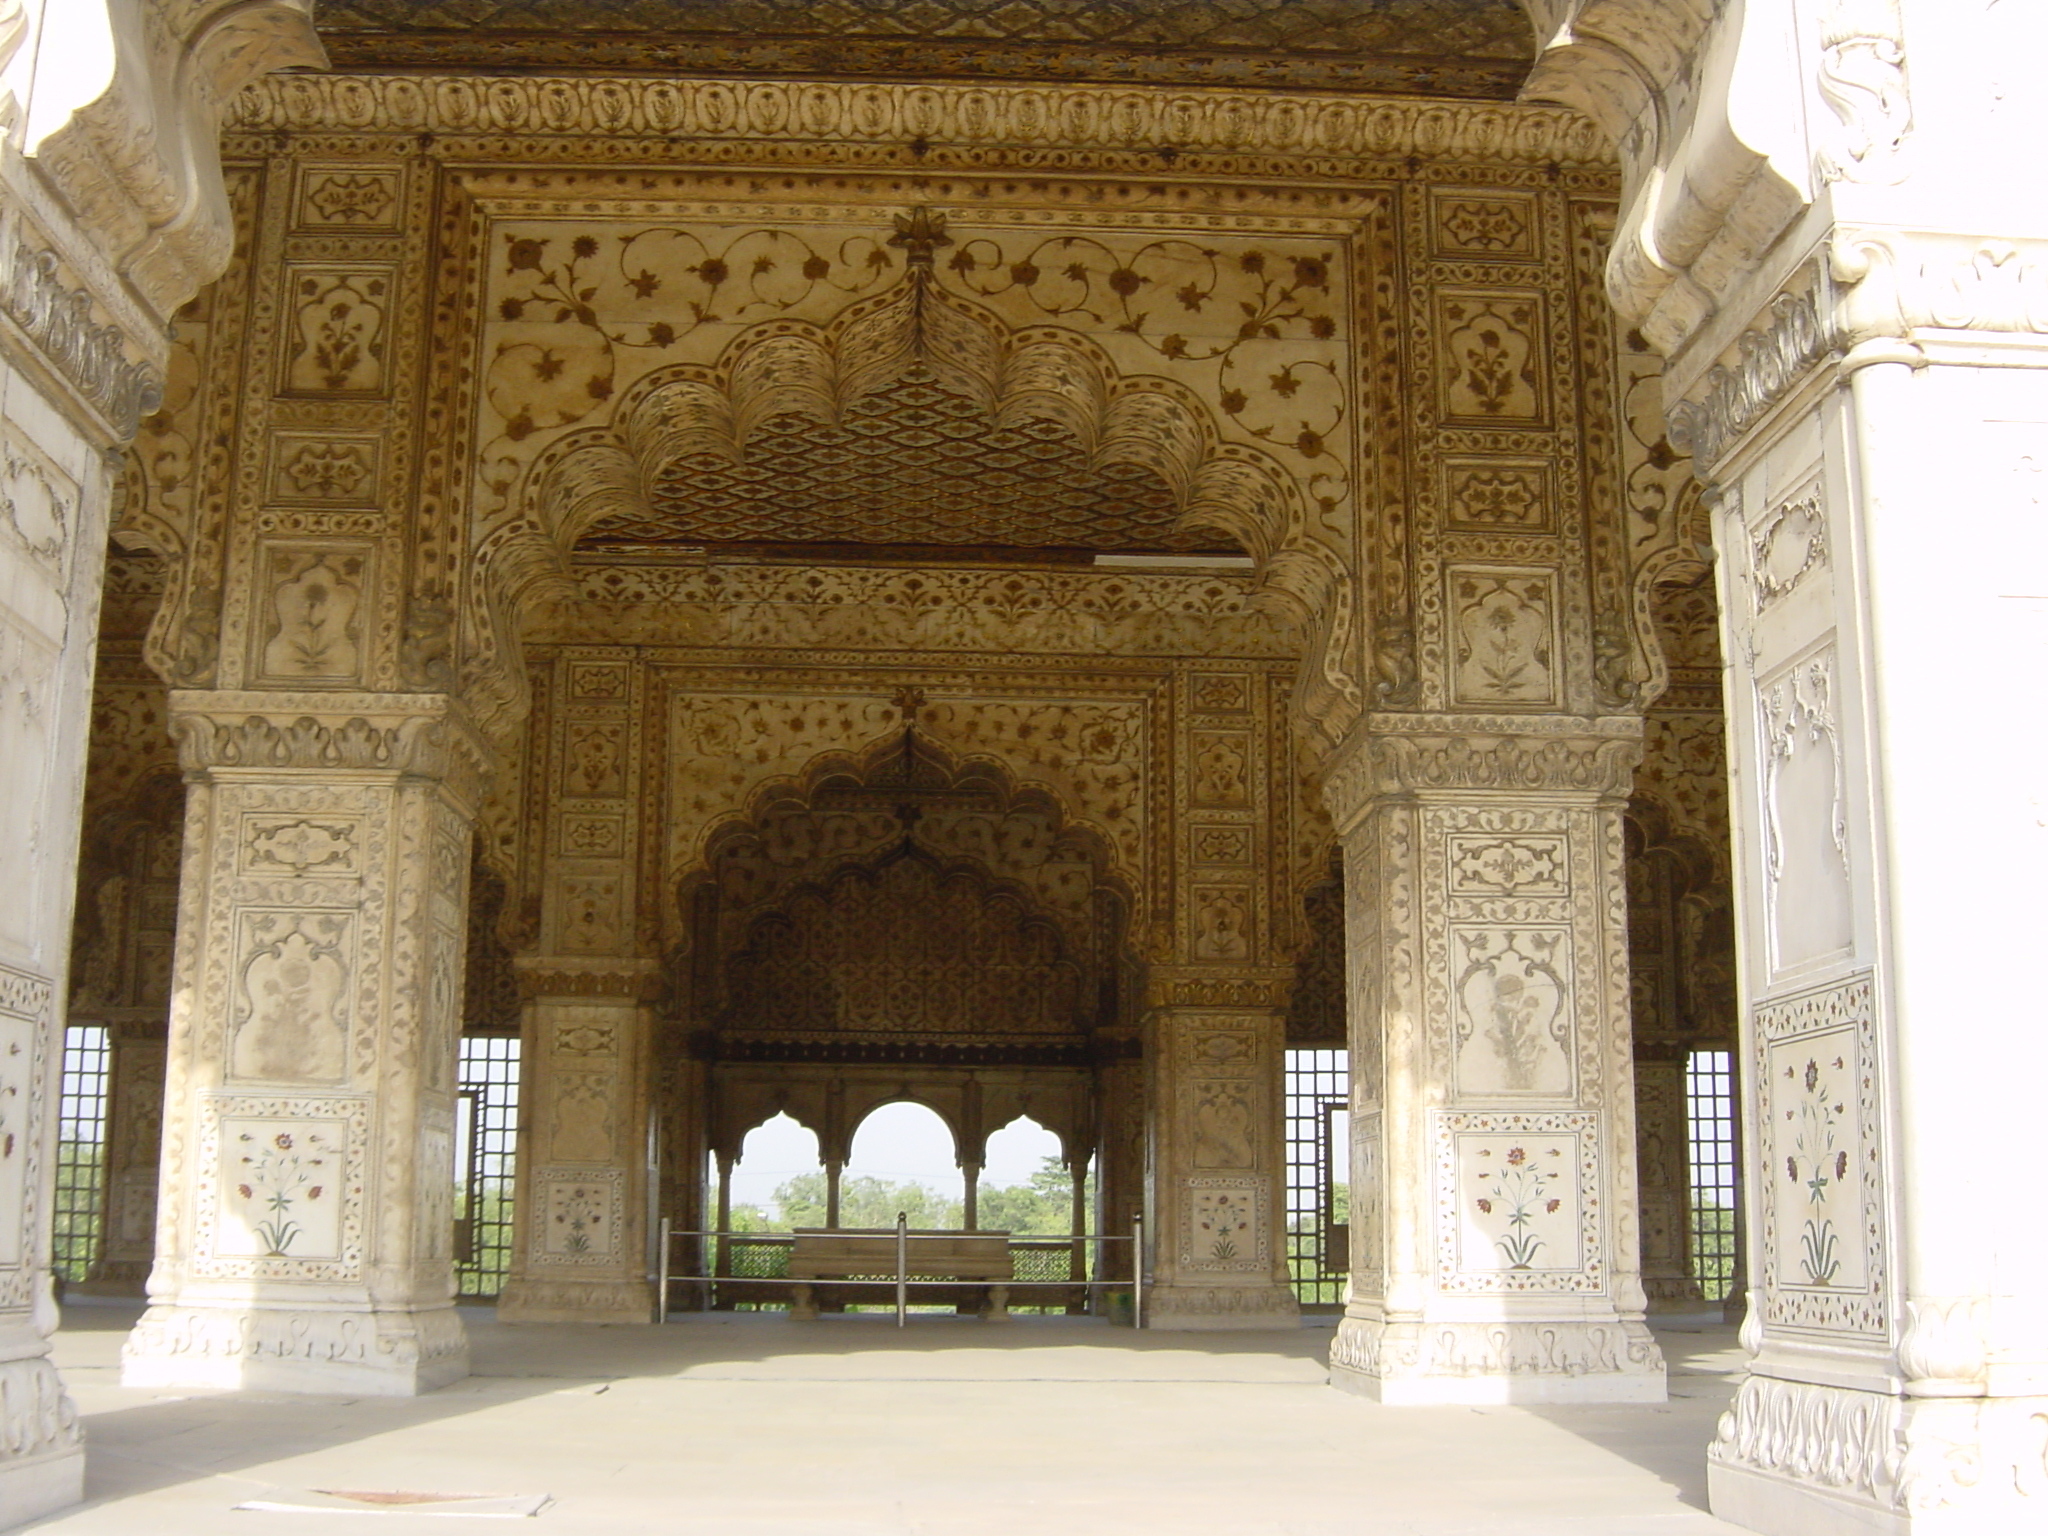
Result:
{"points": [[305, 1221], [1217, 1213], [580, 1235], [1494, 1247]]}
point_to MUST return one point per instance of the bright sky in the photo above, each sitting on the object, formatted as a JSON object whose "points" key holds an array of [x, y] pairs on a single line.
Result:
{"points": [[897, 1142]]}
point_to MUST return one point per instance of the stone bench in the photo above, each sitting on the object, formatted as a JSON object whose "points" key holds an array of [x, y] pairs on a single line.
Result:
{"points": [[822, 1255]]}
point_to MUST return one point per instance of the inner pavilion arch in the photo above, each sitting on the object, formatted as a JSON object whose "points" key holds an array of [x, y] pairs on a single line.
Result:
{"points": [[1349, 351], [914, 930]]}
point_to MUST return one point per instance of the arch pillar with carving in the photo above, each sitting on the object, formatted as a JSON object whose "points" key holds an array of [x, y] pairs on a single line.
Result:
{"points": [[305, 1211], [1493, 1224], [109, 193], [580, 1235], [1215, 1058], [1830, 233]]}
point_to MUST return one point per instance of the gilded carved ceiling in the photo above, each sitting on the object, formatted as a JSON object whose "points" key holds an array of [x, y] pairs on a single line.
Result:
{"points": [[1472, 48]]}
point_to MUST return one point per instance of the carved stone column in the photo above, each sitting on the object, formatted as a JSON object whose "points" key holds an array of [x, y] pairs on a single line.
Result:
{"points": [[1120, 1179], [1882, 565], [1215, 1220], [305, 1222], [1493, 1232], [580, 1234], [1664, 1182]]}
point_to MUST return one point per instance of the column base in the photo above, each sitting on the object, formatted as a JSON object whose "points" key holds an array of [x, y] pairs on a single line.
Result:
{"points": [[36, 1414], [353, 1350], [1565, 1361], [1663, 1294], [576, 1301], [1213, 1307], [1796, 1459]]}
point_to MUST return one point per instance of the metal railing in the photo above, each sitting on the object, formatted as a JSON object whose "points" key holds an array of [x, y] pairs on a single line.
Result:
{"points": [[763, 1259]]}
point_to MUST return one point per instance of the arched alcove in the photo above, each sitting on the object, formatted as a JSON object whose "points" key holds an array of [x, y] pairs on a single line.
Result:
{"points": [[904, 1157]]}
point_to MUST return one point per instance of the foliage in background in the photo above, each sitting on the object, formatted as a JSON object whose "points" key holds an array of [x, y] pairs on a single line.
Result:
{"points": [[1042, 1207]]}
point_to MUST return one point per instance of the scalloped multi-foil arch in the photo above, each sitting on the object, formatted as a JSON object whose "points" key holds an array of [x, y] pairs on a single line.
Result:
{"points": [[1037, 373], [690, 868]]}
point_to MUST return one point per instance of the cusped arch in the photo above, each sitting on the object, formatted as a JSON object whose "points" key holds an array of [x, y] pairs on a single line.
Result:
{"points": [[873, 774], [906, 945], [791, 367]]}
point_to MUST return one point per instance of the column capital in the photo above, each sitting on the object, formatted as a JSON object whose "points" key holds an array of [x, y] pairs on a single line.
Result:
{"points": [[1237, 987], [410, 735], [1456, 756], [583, 976]]}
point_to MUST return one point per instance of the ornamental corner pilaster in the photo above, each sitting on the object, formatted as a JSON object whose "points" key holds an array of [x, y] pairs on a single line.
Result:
{"points": [[409, 736]]}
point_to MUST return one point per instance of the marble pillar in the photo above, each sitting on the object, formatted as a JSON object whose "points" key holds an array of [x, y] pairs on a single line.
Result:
{"points": [[1216, 1213], [305, 1211], [1493, 1233], [580, 1240], [1885, 574]]}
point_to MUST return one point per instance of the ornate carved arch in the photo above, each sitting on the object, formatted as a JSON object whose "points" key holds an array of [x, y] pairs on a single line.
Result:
{"points": [[863, 790], [787, 367]]}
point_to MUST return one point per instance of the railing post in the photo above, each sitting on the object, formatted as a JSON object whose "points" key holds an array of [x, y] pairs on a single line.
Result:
{"points": [[661, 1273], [1138, 1270], [902, 1261]]}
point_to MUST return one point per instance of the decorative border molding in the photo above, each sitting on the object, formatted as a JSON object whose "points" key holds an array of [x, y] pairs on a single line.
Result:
{"points": [[92, 358], [1768, 362], [1403, 754], [1035, 118], [427, 736]]}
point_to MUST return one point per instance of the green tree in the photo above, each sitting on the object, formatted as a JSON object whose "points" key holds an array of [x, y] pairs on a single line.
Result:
{"points": [[1044, 1207], [863, 1202]]}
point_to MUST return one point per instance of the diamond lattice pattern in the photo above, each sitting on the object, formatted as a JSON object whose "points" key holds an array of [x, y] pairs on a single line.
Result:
{"points": [[915, 464]]}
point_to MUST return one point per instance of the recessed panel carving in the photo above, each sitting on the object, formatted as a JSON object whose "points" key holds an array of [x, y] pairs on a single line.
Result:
{"points": [[1489, 225], [1505, 636], [312, 599], [322, 470], [1497, 495], [1490, 362], [338, 330]]}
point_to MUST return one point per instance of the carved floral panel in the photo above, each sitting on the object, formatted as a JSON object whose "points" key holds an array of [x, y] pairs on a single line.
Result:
{"points": [[338, 330], [313, 596], [1491, 357], [1819, 1119], [1223, 1225], [1518, 1203], [1506, 641], [292, 1002], [1512, 995], [579, 1215], [1806, 828], [281, 1188]]}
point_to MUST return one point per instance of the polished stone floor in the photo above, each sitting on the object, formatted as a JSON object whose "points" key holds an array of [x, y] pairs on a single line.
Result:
{"points": [[756, 1426]]}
